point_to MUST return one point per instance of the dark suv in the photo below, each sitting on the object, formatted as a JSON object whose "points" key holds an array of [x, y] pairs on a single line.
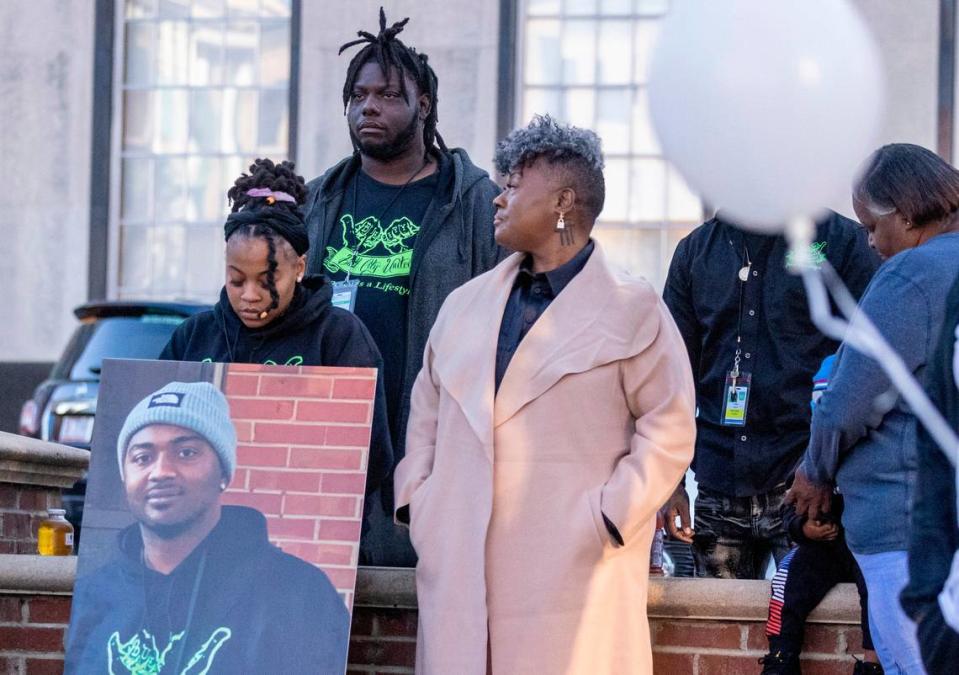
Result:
{"points": [[63, 405]]}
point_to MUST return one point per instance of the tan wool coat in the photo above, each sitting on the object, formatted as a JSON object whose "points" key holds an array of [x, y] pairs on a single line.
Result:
{"points": [[507, 493]]}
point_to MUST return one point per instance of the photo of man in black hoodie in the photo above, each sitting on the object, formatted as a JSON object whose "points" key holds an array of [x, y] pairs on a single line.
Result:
{"points": [[196, 587]]}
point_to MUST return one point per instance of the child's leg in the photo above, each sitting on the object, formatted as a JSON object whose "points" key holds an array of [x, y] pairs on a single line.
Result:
{"points": [[804, 577]]}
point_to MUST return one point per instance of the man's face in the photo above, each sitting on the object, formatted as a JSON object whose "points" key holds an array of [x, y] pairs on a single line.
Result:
{"points": [[383, 123], [172, 478], [526, 208]]}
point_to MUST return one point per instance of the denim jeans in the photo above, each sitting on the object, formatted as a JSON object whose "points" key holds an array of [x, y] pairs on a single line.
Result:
{"points": [[736, 535], [893, 633]]}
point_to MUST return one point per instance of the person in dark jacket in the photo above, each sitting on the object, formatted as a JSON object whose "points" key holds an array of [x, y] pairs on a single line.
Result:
{"points": [[398, 225], [741, 310], [269, 311], [934, 531], [186, 592]]}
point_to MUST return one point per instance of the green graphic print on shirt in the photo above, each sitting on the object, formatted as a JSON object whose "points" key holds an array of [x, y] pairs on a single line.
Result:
{"points": [[371, 250], [141, 656]]}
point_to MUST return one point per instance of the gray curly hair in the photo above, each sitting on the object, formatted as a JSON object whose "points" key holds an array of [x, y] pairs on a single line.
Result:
{"points": [[578, 151]]}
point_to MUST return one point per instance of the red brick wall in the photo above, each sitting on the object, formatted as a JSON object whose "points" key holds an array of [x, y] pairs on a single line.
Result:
{"points": [[303, 438], [383, 641], [32, 629], [22, 507]]}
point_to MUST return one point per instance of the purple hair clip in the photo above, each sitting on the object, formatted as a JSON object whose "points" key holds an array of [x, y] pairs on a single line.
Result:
{"points": [[271, 196]]}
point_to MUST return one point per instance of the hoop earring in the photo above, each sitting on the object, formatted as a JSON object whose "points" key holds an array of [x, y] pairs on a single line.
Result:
{"points": [[565, 231]]}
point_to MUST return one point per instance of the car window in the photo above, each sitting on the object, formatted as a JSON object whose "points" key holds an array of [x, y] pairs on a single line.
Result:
{"points": [[141, 337]]}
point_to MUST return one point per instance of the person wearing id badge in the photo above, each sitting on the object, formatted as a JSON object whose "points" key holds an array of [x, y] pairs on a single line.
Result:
{"points": [[397, 226], [753, 349], [270, 311], [543, 442]]}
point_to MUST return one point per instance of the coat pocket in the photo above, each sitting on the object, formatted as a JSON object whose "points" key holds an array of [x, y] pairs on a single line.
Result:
{"points": [[417, 509], [594, 502]]}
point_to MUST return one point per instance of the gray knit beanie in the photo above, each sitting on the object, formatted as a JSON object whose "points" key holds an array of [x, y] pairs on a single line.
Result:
{"points": [[198, 406]]}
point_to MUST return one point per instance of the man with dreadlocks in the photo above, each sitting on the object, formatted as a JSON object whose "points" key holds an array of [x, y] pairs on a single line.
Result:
{"points": [[397, 226]]}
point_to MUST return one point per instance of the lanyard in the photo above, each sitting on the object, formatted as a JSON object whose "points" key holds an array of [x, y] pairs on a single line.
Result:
{"points": [[743, 278]]}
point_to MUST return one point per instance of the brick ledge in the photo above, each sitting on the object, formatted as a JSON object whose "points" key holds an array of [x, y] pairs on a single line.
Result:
{"points": [[386, 587]]}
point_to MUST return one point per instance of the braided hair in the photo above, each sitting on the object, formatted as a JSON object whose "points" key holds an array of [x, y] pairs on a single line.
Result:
{"points": [[264, 173], [390, 52]]}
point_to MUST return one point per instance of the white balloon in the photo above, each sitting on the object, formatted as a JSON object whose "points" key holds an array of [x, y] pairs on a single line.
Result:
{"points": [[766, 107]]}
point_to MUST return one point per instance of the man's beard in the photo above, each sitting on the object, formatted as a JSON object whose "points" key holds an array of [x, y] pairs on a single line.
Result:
{"points": [[384, 151]]}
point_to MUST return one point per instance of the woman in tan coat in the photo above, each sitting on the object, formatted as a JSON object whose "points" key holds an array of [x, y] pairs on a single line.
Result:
{"points": [[552, 418]]}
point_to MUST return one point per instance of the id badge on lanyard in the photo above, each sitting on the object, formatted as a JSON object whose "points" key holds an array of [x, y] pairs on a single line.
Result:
{"points": [[736, 398], [344, 294]]}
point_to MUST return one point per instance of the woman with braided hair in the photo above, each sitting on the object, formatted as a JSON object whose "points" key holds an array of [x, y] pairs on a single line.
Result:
{"points": [[270, 311]]}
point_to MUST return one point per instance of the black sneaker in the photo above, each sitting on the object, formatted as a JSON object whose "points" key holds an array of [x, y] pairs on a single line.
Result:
{"points": [[780, 663], [863, 668]]}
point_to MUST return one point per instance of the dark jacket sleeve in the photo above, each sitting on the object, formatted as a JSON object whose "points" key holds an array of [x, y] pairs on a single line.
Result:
{"points": [[934, 532], [678, 296], [858, 262], [486, 252], [352, 345], [793, 523], [176, 347]]}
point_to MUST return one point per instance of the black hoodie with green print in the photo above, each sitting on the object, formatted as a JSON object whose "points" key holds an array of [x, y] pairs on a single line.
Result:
{"points": [[236, 604], [310, 333]]}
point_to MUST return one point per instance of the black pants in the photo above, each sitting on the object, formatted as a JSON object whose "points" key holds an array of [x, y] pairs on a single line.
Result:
{"points": [[804, 577]]}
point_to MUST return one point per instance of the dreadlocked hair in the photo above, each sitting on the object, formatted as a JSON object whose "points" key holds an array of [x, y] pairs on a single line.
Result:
{"points": [[390, 52], [264, 173]]}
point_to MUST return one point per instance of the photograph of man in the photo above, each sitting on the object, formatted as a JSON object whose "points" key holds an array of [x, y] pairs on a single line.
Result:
{"points": [[551, 420], [196, 587]]}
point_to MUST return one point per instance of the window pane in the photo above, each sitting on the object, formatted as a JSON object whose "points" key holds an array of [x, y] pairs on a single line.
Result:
{"points": [[233, 166], [542, 64], [683, 205], [617, 190], [274, 122], [580, 6], [239, 121], [538, 7], [135, 260], [580, 107], [173, 52], [206, 120], [240, 53], [140, 54], [206, 191], [615, 38], [540, 101], [169, 261], [170, 188], [138, 120], [141, 9], [170, 134], [274, 54], [652, 7], [173, 8], [645, 33], [204, 266], [648, 194], [208, 9], [632, 249], [242, 7], [579, 52], [136, 201], [206, 53], [644, 137], [612, 123], [616, 6], [279, 8]]}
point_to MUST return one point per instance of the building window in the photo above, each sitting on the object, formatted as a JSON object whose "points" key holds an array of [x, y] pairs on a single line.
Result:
{"points": [[202, 89], [586, 63]]}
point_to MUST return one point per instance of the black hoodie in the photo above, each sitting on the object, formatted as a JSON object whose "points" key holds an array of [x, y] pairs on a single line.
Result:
{"points": [[310, 333], [236, 604]]}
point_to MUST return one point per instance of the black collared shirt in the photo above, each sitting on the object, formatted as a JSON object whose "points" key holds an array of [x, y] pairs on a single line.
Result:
{"points": [[781, 348], [532, 293]]}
